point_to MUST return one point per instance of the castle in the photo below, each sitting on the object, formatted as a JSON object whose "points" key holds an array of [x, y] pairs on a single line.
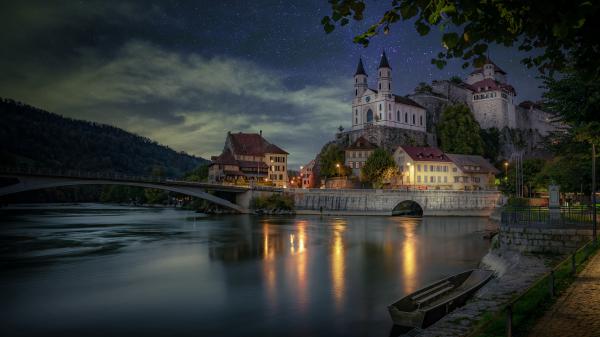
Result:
{"points": [[388, 120]]}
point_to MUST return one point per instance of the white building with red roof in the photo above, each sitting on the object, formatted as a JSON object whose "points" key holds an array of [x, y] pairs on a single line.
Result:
{"points": [[249, 157], [492, 98], [431, 168]]}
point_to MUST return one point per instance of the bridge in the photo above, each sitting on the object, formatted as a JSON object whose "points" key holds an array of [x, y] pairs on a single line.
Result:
{"points": [[312, 201], [22, 180]]}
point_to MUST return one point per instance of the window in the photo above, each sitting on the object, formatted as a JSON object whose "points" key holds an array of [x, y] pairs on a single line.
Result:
{"points": [[406, 117], [445, 179], [425, 179], [466, 179], [355, 92], [389, 86], [389, 107], [351, 164], [390, 116], [369, 116], [356, 121], [432, 179], [454, 169], [425, 168], [281, 177], [476, 179], [421, 120], [456, 179], [413, 119], [418, 179], [419, 167], [398, 115], [431, 168], [439, 179], [380, 107]]}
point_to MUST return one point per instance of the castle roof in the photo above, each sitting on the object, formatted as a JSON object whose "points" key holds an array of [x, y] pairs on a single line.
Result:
{"points": [[488, 61], [360, 69], [361, 144], [419, 153], [226, 158], [407, 101], [489, 84], [472, 163], [252, 144], [384, 62]]}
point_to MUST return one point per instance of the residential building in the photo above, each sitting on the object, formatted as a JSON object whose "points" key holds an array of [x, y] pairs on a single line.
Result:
{"points": [[249, 157], [431, 168], [307, 175], [357, 153], [472, 172], [380, 106], [424, 167]]}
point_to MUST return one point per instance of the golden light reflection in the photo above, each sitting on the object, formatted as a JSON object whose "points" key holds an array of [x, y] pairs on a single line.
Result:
{"points": [[269, 271], [298, 250], [408, 258], [338, 264]]}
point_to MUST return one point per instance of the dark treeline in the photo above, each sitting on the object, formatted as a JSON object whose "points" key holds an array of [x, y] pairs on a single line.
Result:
{"points": [[31, 137]]}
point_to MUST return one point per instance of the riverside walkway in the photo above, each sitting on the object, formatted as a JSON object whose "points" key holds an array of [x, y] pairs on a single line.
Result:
{"points": [[577, 311]]}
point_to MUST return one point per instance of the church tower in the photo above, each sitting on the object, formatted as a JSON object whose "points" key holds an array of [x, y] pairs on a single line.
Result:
{"points": [[360, 80], [384, 82]]}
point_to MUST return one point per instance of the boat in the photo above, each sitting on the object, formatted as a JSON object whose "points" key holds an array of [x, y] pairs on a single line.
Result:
{"points": [[426, 306]]}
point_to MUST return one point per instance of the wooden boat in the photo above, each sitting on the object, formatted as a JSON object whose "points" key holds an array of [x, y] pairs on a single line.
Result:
{"points": [[427, 305]]}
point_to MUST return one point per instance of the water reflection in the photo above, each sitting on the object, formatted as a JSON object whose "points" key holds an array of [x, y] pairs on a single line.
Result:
{"points": [[338, 263], [292, 276], [408, 254]]}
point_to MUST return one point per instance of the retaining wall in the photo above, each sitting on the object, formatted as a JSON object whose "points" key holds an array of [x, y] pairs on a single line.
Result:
{"points": [[543, 240]]}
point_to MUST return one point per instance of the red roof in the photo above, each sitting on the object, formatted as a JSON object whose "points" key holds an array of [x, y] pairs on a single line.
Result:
{"points": [[226, 158], [418, 153], [488, 61], [361, 144], [252, 144], [489, 84]]}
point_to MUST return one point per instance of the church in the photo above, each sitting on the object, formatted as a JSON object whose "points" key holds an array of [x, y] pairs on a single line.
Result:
{"points": [[380, 106]]}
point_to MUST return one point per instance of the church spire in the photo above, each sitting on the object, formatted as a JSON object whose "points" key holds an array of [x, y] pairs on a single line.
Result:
{"points": [[360, 70], [384, 61]]}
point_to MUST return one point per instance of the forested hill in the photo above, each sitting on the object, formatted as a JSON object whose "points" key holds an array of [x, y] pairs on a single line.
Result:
{"points": [[37, 138]]}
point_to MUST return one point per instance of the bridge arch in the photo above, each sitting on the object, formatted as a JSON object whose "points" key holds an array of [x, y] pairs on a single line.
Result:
{"points": [[408, 208], [26, 184]]}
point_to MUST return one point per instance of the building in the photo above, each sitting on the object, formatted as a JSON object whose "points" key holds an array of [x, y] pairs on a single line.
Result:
{"points": [[380, 106], [249, 157], [424, 167], [472, 172], [307, 175], [431, 168], [357, 153], [492, 98]]}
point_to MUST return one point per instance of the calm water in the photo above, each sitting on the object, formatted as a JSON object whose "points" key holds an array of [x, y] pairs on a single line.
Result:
{"points": [[101, 270]]}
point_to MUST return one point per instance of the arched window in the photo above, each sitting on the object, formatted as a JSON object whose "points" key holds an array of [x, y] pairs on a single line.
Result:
{"points": [[379, 86], [356, 122], [369, 116], [355, 92], [398, 115], [413, 118], [421, 119], [406, 117], [380, 107]]}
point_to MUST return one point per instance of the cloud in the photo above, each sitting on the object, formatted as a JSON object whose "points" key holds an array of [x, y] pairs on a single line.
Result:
{"points": [[189, 101]]}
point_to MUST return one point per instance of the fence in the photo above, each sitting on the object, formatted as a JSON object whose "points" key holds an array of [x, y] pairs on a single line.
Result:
{"points": [[542, 216], [522, 311]]}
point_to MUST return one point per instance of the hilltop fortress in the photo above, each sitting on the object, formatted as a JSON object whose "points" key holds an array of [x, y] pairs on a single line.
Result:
{"points": [[389, 120]]}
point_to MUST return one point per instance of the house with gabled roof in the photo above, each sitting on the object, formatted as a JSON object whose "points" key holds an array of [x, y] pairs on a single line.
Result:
{"points": [[249, 157]]}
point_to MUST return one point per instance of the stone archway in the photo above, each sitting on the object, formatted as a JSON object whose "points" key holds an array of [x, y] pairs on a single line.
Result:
{"points": [[407, 208]]}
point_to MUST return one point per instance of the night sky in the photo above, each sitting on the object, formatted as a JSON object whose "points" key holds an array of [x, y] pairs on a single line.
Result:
{"points": [[184, 73]]}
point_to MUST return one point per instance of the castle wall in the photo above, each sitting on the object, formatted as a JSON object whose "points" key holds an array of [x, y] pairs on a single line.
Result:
{"points": [[387, 137]]}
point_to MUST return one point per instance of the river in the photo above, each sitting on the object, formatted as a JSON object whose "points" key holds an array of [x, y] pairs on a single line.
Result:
{"points": [[101, 270]]}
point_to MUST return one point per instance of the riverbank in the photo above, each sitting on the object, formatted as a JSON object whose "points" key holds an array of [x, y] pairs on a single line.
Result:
{"points": [[514, 273]]}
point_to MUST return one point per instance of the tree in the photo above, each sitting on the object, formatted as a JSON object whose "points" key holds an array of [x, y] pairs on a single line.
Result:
{"points": [[532, 169], [491, 143], [458, 131], [378, 167], [563, 30], [200, 173], [331, 156]]}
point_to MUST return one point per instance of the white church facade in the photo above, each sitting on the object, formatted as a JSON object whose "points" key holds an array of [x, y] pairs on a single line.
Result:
{"points": [[380, 106]]}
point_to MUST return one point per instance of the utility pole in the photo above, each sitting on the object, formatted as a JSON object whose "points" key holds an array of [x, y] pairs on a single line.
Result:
{"points": [[594, 194]]}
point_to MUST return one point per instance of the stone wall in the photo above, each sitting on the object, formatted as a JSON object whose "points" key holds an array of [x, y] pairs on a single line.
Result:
{"points": [[386, 137], [543, 240], [370, 201]]}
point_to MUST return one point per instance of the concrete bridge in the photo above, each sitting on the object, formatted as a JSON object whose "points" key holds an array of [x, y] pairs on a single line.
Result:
{"points": [[21, 181], [328, 201], [396, 202]]}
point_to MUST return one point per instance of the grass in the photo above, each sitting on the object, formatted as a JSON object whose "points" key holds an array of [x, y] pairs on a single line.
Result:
{"points": [[531, 305]]}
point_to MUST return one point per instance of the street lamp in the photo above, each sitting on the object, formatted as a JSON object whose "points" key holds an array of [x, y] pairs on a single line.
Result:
{"points": [[338, 169], [505, 170]]}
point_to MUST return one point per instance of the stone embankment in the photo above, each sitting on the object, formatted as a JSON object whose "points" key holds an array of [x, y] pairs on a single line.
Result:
{"points": [[543, 240], [514, 273]]}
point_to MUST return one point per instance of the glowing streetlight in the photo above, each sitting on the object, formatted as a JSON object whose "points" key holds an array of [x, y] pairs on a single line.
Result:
{"points": [[505, 170], [338, 169]]}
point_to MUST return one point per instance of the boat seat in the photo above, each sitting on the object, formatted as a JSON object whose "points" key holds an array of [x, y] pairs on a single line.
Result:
{"points": [[433, 296], [429, 291]]}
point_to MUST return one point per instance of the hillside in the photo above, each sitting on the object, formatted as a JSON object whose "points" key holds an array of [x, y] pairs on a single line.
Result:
{"points": [[37, 138]]}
